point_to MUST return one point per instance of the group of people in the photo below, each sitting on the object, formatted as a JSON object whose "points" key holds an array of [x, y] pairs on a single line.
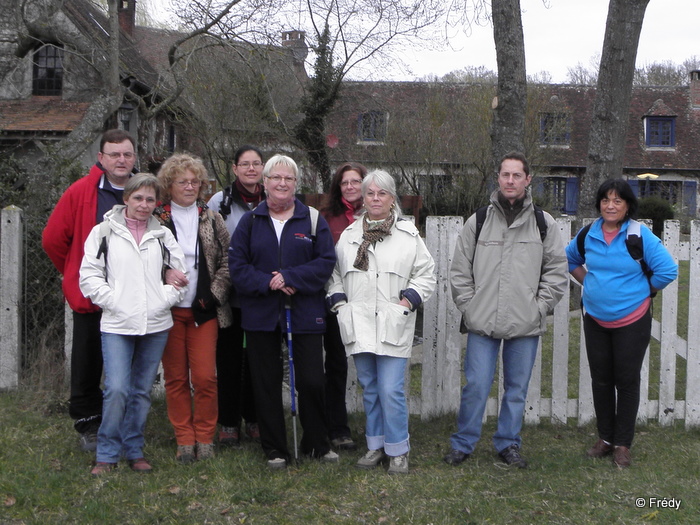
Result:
{"points": [[214, 290]]}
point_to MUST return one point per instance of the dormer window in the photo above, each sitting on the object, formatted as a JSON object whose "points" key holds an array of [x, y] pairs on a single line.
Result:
{"points": [[48, 71], [660, 132], [371, 127], [555, 129]]}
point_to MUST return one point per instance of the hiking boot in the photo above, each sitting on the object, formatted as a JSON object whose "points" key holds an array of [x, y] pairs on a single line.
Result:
{"points": [[600, 449], [511, 456], [398, 464], [277, 463], [185, 454], [330, 457], [622, 457], [343, 443], [102, 468], [140, 465], [205, 451], [88, 441], [371, 459], [455, 457], [253, 431], [230, 436]]}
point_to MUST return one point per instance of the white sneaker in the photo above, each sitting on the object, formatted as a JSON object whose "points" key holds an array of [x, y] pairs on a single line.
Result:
{"points": [[330, 457], [277, 463], [371, 459], [398, 464]]}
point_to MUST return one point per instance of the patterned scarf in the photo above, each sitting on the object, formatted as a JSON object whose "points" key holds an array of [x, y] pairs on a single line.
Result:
{"points": [[372, 233]]}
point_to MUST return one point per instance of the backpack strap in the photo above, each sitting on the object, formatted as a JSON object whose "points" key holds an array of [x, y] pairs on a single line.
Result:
{"points": [[313, 212], [226, 201], [539, 218], [105, 232], [581, 240]]}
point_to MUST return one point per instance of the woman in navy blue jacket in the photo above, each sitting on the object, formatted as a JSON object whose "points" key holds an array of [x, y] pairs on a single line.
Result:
{"points": [[617, 320], [276, 257]]}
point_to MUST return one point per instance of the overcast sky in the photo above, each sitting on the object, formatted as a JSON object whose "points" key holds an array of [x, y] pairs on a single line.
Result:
{"points": [[562, 33], [571, 31]]}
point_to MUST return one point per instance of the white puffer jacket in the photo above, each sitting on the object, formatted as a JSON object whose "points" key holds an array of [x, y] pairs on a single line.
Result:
{"points": [[133, 297], [372, 320]]}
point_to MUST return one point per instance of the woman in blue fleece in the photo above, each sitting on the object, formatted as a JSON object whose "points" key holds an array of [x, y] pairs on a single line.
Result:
{"points": [[617, 320]]}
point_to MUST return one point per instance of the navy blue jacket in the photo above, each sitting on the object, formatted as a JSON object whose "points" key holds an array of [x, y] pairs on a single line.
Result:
{"points": [[306, 265]]}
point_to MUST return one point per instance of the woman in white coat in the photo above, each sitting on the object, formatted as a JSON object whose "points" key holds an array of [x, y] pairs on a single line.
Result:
{"points": [[123, 273], [383, 274]]}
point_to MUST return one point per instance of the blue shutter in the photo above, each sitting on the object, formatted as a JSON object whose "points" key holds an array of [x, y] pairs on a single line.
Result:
{"points": [[571, 199], [690, 188], [634, 183]]}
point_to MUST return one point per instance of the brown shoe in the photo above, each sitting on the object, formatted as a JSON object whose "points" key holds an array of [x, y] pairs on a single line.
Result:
{"points": [[205, 451], [622, 457], [102, 468], [140, 465], [599, 450], [185, 454]]}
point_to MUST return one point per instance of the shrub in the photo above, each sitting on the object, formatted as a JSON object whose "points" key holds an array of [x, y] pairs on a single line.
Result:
{"points": [[658, 210]]}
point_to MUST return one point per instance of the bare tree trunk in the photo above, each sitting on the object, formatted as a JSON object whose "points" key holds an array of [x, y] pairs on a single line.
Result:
{"points": [[508, 127], [606, 147]]}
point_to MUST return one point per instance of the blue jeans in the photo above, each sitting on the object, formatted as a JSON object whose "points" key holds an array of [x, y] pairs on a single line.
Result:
{"points": [[479, 368], [382, 381], [130, 364]]}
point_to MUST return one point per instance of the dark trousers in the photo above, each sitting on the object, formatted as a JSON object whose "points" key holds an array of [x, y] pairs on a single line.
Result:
{"points": [[266, 367], [615, 356], [236, 399], [85, 405], [336, 364]]}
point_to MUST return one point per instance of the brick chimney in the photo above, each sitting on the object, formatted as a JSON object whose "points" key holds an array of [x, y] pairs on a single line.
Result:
{"points": [[296, 42], [695, 89], [127, 15]]}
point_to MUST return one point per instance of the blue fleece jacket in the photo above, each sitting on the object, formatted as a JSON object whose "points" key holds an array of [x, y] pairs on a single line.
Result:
{"points": [[615, 284], [306, 265]]}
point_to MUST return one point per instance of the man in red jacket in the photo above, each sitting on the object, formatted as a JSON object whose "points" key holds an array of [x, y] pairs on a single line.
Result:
{"points": [[79, 209]]}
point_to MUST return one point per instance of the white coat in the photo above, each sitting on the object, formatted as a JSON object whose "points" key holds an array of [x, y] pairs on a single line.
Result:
{"points": [[132, 295], [369, 316]]}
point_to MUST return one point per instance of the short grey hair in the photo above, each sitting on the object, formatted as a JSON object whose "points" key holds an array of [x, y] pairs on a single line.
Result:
{"points": [[385, 182], [280, 160], [141, 180]]}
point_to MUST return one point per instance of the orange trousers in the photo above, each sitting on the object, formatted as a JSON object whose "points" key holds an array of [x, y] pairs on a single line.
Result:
{"points": [[190, 359]]}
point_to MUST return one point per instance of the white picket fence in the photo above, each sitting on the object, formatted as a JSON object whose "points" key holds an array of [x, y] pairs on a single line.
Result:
{"points": [[443, 346]]}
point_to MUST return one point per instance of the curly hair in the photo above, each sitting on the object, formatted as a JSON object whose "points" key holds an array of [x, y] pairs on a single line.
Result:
{"points": [[335, 205], [175, 167]]}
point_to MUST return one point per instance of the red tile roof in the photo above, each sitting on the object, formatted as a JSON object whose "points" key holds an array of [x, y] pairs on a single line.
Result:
{"points": [[41, 114]]}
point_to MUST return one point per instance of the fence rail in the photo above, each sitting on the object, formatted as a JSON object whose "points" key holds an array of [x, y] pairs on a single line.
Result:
{"points": [[677, 360]]}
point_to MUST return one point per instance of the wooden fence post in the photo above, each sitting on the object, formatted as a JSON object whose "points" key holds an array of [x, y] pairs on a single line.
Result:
{"points": [[692, 384], [441, 377], [11, 280]]}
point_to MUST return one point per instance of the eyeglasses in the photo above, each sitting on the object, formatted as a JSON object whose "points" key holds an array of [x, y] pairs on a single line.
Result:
{"points": [[246, 165], [354, 182], [185, 183], [115, 155], [278, 178]]}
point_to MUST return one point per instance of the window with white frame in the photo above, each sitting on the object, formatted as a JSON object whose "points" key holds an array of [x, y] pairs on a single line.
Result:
{"points": [[660, 132], [371, 127], [47, 77], [555, 129]]}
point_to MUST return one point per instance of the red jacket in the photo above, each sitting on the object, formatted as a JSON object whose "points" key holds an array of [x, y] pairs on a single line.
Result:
{"points": [[64, 237]]}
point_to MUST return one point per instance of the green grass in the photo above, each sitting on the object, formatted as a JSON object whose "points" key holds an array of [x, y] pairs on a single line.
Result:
{"points": [[44, 479]]}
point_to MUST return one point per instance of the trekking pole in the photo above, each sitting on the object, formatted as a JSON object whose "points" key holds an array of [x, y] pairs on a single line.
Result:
{"points": [[288, 310]]}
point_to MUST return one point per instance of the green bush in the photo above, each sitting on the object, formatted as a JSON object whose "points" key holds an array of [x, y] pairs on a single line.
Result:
{"points": [[658, 210]]}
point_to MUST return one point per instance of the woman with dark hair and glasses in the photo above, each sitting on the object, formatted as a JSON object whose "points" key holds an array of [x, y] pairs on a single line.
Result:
{"points": [[189, 360], [344, 206], [617, 315], [236, 401]]}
